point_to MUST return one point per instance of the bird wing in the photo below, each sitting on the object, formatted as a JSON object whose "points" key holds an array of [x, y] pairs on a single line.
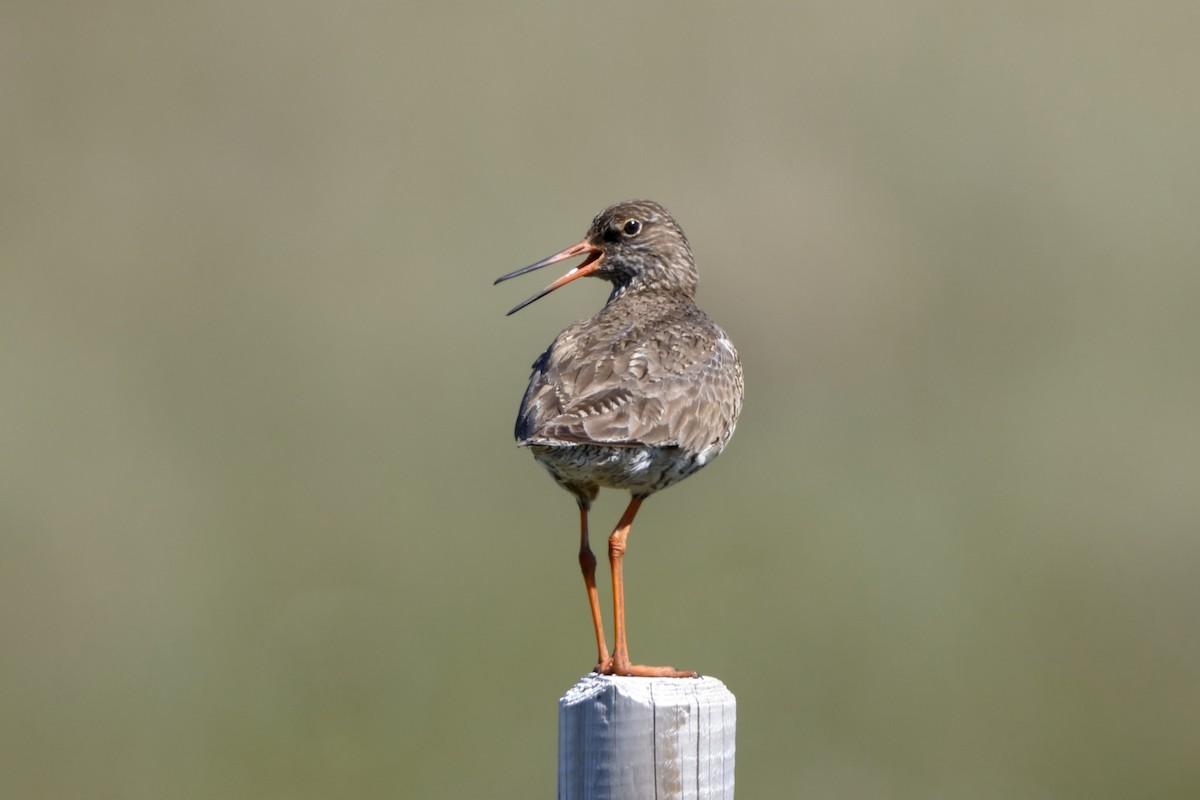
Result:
{"points": [[681, 387]]}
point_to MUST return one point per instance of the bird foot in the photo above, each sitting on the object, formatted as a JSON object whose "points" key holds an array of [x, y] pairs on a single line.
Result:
{"points": [[621, 666]]}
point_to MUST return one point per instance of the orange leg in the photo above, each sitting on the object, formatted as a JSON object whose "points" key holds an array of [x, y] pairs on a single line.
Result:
{"points": [[587, 563], [616, 554]]}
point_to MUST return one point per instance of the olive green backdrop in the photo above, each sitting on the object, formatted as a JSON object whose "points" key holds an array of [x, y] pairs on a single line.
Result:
{"points": [[263, 530]]}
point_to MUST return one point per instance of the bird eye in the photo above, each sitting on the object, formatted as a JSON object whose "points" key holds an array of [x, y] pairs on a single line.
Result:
{"points": [[632, 227]]}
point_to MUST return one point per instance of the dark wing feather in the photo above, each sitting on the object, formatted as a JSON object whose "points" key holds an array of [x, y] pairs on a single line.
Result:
{"points": [[674, 383]]}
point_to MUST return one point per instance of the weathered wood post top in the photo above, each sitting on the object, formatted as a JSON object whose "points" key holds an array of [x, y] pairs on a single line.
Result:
{"points": [[655, 738]]}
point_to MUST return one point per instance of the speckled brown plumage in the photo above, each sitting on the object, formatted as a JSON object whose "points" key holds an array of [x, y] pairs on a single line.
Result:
{"points": [[636, 397]]}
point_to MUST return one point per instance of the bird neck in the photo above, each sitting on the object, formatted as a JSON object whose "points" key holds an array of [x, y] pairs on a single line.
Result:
{"points": [[668, 280], [635, 291]]}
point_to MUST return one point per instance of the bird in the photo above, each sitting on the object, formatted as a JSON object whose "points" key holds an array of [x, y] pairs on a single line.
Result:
{"points": [[636, 397]]}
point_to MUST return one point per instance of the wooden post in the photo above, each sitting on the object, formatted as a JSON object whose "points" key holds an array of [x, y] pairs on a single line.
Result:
{"points": [[634, 738]]}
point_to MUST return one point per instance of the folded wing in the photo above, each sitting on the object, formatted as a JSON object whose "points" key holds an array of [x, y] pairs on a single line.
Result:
{"points": [[683, 389]]}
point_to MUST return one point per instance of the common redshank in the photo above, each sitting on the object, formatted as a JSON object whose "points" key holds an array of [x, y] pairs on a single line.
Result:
{"points": [[637, 397]]}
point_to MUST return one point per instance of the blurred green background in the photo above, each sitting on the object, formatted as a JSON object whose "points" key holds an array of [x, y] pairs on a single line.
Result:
{"points": [[264, 530]]}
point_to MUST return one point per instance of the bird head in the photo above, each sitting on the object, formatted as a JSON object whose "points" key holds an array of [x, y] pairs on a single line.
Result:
{"points": [[637, 246]]}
